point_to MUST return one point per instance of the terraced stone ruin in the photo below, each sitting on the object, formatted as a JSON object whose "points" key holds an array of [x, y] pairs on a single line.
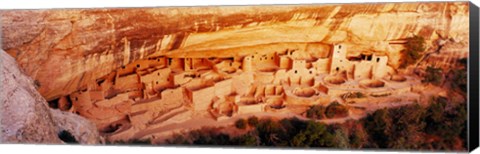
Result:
{"points": [[148, 73]]}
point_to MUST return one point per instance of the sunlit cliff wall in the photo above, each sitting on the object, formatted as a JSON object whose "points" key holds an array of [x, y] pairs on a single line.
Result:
{"points": [[65, 49]]}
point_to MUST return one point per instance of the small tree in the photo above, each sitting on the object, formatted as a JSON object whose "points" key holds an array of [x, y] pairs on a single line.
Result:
{"points": [[341, 139], [316, 112], [353, 95], [241, 124], [246, 140], [357, 139], [460, 79], [378, 126], [314, 135], [269, 132], [413, 50], [433, 75], [336, 110], [252, 121]]}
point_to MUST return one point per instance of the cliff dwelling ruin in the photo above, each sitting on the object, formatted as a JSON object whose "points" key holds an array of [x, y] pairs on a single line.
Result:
{"points": [[163, 90], [156, 71]]}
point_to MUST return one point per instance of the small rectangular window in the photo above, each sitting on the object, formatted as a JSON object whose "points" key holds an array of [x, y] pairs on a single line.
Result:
{"points": [[369, 57]]}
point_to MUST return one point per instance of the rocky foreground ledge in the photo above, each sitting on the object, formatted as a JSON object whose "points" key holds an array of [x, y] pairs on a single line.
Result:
{"points": [[26, 118]]}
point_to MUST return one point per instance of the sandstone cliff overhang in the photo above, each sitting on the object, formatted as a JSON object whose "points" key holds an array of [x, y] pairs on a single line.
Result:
{"points": [[63, 50]]}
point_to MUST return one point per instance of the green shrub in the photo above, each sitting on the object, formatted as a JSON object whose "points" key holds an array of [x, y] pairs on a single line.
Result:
{"points": [[253, 121], [133, 142], [241, 124], [353, 95], [406, 128], [246, 140], [444, 120], [433, 75], [336, 110], [460, 79], [356, 139], [341, 139], [413, 51], [271, 133], [178, 139], [378, 126], [316, 112], [212, 139], [314, 135]]}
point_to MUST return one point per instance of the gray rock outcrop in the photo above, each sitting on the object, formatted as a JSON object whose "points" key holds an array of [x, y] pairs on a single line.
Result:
{"points": [[25, 116]]}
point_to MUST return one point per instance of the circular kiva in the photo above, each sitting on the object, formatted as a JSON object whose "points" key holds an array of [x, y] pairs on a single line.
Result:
{"points": [[334, 79], [398, 78], [372, 83], [276, 103], [304, 92]]}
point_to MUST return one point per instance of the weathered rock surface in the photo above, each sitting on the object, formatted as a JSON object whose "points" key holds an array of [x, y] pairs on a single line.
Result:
{"points": [[25, 117], [83, 130], [63, 50]]}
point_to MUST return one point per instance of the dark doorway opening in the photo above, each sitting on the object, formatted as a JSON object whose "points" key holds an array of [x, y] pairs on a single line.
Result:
{"points": [[67, 137]]}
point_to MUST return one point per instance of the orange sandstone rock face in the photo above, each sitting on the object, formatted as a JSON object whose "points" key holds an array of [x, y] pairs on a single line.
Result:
{"points": [[63, 50]]}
